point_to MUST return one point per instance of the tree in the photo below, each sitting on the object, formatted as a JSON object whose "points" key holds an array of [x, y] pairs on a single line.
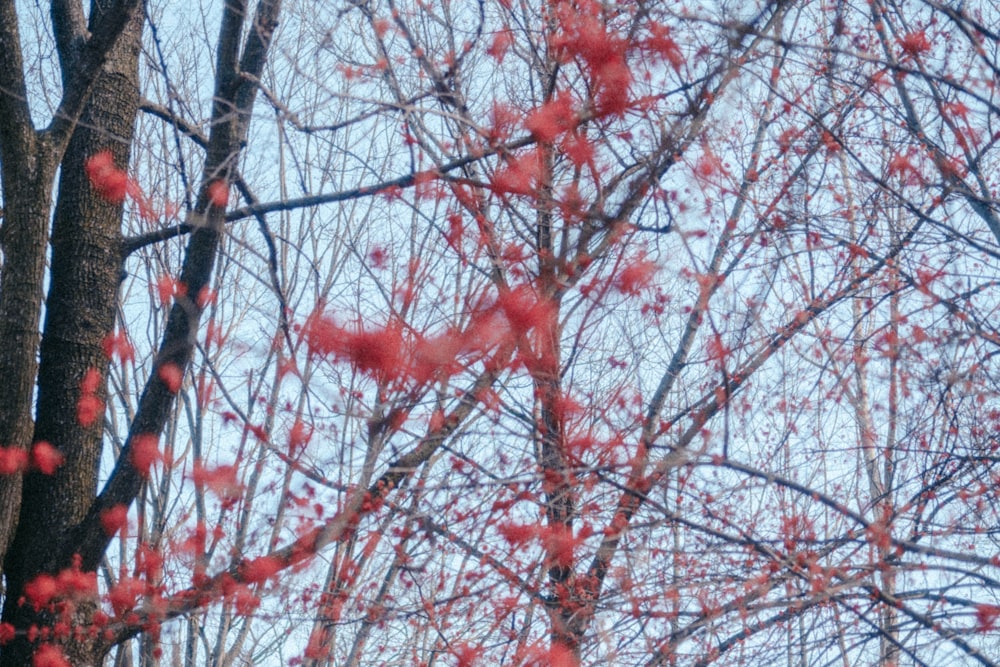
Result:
{"points": [[61, 524], [564, 333]]}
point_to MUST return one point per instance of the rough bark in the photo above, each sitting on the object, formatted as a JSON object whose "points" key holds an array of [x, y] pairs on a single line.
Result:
{"points": [[23, 237], [28, 162], [235, 90], [80, 312]]}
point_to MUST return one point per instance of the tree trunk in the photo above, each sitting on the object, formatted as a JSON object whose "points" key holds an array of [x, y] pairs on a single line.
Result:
{"points": [[80, 312], [26, 184], [25, 233], [60, 523]]}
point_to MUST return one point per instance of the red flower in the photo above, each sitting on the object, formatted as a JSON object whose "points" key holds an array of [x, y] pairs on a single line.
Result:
{"points": [[114, 519], [520, 176], [635, 277], [91, 381], [125, 594], [222, 480], [73, 581], [41, 590], [298, 437], [12, 460], [378, 257], [168, 287], [501, 43], [524, 310], [914, 43], [613, 81], [260, 569], [560, 543], [379, 352], [466, 655], [562, 656], [517, 534], [88, 409], [45, 458], [117, 345], [986, 616], [218, 194], [245, 601], [662, 44], [145, 452], [171, 375], [110, 182], [578, 149], [552, 119], [48, 655]]}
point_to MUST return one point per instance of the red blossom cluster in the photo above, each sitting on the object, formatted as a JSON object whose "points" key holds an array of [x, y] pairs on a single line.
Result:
{"points": [[117, 345], [49, 655], [60, 595], [986, 617], [45, 458], [145, 451], [396, 354], [90, 406], [558, 540], [553, 118], [171, 375], [221, 480], [114, 519], [636, 276], [583, 34], [218, 193], [914, 43], [113, 184], [520, 175], [168, 287]]}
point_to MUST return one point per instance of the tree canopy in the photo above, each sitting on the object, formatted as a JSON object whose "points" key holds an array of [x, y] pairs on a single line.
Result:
{"points": [[536, 332]]}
